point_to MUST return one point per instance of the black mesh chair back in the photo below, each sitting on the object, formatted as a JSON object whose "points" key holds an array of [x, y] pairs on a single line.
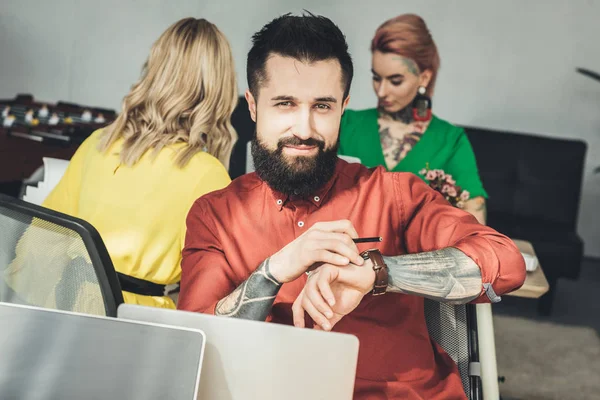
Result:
{"points": [[52, 260], [454, 328]]}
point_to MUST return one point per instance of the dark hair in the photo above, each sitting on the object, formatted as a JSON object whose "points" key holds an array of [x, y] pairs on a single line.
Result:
{"points": [[307, 38]]}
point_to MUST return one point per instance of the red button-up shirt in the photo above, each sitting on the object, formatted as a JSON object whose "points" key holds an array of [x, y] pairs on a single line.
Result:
{"points": [[231, 231]]}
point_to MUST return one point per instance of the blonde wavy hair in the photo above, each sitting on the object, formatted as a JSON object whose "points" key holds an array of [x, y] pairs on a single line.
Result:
{"points": [[186, 94]]}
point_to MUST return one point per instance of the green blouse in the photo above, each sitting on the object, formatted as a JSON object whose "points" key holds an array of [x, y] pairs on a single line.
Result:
{"points": [[443, 145]]}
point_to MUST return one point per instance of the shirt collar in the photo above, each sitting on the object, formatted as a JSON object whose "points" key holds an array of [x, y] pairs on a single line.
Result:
{"points": [[317, 198]]}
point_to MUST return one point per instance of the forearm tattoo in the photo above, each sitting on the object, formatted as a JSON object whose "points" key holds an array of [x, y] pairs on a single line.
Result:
{"points": [[254, 298], [446, 275]]}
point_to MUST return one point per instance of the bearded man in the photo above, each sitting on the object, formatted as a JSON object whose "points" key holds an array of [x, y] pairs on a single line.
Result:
{"points": [[248, 247]]}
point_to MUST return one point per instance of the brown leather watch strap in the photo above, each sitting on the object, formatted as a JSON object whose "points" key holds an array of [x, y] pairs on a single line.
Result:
{"points": [[381, 270]]}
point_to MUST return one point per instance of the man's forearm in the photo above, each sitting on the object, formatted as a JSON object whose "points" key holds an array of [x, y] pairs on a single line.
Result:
{"points": [[254, 298], [446, 275]]}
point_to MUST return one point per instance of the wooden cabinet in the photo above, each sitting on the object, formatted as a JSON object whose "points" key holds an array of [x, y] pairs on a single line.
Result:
{"points": [[20, 157]]}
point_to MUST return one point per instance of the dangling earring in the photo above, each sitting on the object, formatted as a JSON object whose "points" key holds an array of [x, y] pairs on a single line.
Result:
{"points": [[422, 105]]}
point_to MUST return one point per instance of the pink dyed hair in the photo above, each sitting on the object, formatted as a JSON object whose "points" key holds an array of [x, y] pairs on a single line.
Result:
{"points": [[407, 35]]}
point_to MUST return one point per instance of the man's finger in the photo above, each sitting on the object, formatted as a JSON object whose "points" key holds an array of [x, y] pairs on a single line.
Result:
{"points": [[338, 247], [314, 295], [344, 238], [336, 242], [324, 287], [316, 316], [298, 311], [326, 256], [320, 235]]}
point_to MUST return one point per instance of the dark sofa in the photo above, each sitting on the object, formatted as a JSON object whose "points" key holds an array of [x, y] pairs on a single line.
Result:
{"points": [[534, 187]]}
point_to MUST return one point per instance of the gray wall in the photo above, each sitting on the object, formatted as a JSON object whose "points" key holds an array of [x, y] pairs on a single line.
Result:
{"points": [[505, 64]]}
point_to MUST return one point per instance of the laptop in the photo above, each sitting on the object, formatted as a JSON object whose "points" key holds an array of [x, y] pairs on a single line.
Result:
{"points": [[257, 360], [50, 354]]}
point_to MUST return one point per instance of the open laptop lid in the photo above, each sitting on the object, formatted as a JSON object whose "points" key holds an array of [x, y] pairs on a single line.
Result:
{"points": [[49, 354], [249, 359]]}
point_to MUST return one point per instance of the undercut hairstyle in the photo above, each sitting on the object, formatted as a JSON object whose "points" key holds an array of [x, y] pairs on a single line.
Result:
{"points": [[307, 38]]}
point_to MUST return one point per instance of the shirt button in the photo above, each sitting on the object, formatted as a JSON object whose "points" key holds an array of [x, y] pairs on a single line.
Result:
{"points": [[279, 202], [301, 224], [317, 198]]}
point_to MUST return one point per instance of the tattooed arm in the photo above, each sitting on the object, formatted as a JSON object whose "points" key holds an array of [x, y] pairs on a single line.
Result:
{"points": [[210, 282], [449, 257], [254, 298], [446, 275], [323, 242], [476, 207]]}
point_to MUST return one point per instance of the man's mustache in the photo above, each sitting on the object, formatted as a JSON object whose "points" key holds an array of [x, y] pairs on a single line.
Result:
{"points": [[296, 141]]}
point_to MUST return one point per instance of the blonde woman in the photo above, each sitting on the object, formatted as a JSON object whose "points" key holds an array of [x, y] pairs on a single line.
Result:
{"points": [[136, 180]]}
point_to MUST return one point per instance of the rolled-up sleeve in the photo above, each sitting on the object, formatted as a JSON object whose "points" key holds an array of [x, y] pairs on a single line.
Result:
{"points": [[431, 223], [206, 276]]}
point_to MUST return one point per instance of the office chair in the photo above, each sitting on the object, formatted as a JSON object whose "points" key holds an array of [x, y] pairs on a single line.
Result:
{"points": [[52, 260], [454, 328]]}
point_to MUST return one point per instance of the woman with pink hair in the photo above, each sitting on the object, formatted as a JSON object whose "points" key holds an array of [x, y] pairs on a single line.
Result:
{"points": [[401, 133]]}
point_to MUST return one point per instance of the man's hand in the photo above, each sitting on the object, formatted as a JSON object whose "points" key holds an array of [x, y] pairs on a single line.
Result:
{"points": [[325, 242], [332, 292]]}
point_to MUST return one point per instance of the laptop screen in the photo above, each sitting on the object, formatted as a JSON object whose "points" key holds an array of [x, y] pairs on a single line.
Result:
{"points": [[47, 354]]}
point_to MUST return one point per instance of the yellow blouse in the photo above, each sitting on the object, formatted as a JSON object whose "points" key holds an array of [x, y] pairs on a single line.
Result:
{"points": [[139, 211]]}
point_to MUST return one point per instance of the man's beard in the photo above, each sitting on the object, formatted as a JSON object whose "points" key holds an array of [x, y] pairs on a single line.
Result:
{"points": [[294, 176]]}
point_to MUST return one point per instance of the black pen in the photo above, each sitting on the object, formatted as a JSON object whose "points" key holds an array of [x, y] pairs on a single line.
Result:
{"points": [[368, 239]]}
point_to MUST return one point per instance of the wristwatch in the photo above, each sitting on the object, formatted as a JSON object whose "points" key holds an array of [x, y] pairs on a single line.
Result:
{"points": [[381, 270]]}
